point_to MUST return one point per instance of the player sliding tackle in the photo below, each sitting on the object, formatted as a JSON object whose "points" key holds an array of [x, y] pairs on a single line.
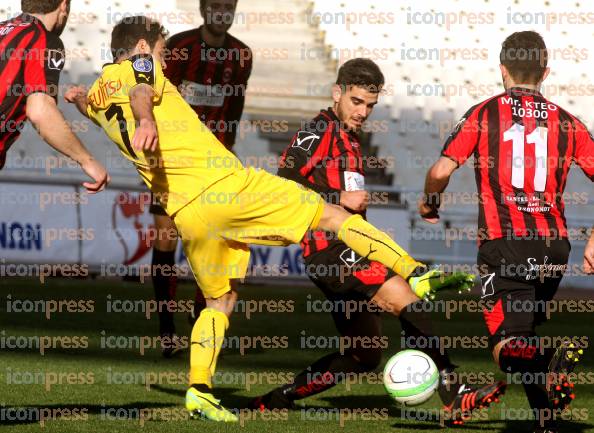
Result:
{"points": [[202, 185]]}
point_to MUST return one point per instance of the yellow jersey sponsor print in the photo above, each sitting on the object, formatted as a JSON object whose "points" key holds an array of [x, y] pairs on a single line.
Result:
{"points": [[189, 157]]}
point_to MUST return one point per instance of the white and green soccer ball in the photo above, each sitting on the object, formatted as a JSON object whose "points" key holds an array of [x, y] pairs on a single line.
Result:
{"points": [[411, 377]]}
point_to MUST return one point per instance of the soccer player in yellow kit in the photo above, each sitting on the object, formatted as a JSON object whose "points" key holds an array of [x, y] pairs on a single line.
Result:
{"points": [[218, 205]]}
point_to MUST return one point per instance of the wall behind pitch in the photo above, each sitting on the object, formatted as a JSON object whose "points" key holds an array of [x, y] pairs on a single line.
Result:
{"points": [[112, 232], [39, 224]]}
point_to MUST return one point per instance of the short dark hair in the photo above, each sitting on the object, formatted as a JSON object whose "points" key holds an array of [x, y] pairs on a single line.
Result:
{"points": [[203, 4], [130, 30], [525, 56], [40, 6], [361, 73]]}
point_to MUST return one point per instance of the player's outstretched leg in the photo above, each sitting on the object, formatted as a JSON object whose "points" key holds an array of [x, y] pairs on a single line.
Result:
{"points": [[395, 297], [459, 399], [375, 245], [207, 339]]}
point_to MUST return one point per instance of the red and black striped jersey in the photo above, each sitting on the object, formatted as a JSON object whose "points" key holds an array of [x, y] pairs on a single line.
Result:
{"points": [[326, 158], [212, 80], [31, 59], [523, 147]]}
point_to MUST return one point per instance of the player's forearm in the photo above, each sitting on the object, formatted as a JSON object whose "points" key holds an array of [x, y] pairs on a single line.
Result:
{"points": [[141, 102], [437, 180], [434, 188], [82, 104], [53, 128], [329, 195]]}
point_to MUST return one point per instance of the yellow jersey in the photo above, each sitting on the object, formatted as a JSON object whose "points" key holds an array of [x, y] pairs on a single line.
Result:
{"points": [[189, 158]]}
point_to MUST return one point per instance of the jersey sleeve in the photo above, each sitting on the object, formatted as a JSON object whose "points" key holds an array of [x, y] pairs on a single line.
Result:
{"points": [[44, 65], [91, 114], [584, 150], [301, 158], [143, 69], [464, 139]]}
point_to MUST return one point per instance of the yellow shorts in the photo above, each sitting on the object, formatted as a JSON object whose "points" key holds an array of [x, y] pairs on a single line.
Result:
{"points": [[248, 207]]}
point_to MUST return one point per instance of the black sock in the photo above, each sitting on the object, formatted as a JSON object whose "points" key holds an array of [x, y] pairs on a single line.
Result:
{"points": [[523, 355], [165, 287], [418, 335], [539, 403], [448, 386], [322, 375]]}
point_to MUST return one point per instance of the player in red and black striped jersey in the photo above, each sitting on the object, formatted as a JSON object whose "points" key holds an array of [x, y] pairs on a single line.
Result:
{"points": [[31, 59], [523, 146], [325, 156], [211, 69]]}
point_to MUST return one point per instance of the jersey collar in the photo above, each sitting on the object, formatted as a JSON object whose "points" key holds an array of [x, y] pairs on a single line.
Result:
{"points": [[332, 117], [201, 40], [518, 90], [28, 18]]}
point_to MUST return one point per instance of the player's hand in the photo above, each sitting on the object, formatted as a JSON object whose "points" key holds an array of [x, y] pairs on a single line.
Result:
{"points": [[74, 93], [428, 213], [146, 137], [355, 200], [589, 257], [95, 170]]}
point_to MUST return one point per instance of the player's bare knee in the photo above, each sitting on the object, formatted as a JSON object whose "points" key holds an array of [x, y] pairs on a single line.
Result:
{"points": [[394, 296], [165, 233], [497, 349], [332, 218], [224, 303], [165, 244]]}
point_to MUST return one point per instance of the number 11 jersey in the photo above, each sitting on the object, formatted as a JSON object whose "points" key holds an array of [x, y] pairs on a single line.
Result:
{"points": [[523, 147]]}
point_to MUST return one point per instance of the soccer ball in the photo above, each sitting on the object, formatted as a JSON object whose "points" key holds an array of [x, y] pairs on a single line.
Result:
{"points": [[411, 377]]}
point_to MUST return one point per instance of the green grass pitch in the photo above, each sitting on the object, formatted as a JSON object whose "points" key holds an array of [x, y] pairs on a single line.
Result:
{"points": [[91, 376]]}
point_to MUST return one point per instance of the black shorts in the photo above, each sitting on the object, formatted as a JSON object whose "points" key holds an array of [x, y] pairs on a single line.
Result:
{"points": [[339, 270], [518, 278]]}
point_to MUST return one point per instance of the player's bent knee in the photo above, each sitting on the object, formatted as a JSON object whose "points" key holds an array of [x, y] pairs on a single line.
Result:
{"points": [[165, 245], [166, 234], [498, 347], [332, 218], [224, 303], [394, 296]]}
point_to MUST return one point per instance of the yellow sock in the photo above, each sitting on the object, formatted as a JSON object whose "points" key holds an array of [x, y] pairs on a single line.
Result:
{"points": [[207, 339], [369, 242]]}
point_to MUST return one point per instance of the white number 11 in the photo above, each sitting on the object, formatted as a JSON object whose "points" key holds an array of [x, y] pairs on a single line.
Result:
{"points": [[539, 137]]}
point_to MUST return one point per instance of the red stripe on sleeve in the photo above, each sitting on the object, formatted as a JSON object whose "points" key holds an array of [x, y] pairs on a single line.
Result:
{"points": [[492, 220]]}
